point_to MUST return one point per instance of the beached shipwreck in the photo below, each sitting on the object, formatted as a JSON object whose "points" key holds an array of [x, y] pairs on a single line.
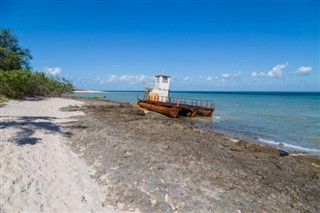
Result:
{"points": [[156, 98]]}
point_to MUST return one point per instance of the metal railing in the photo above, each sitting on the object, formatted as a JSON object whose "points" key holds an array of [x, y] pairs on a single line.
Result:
{"points": [[188, 101], [192, 102]]}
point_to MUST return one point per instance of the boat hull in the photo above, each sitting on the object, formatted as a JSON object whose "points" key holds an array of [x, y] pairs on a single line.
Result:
{"points": [[165, 110], [174, 110]]}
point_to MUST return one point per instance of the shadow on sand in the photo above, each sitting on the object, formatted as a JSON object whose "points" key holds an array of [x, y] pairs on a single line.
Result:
{"points": [[28, 125]]}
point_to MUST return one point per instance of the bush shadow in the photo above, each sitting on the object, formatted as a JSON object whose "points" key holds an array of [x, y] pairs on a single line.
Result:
{"points": [[28, 125]]}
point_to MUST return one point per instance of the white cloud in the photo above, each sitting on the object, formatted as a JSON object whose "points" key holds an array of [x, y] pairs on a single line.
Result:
{"points": [[125, 77], [303, 70], [131, 79], [226, 75], [112, 78], [257, 74], [230, 75], [141, 77], [53, 70], [208, 78], [275, 72], [186, 79]]}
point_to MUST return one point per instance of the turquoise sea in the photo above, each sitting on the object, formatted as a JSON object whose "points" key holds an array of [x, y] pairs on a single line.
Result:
{"points": [[291, 119]]}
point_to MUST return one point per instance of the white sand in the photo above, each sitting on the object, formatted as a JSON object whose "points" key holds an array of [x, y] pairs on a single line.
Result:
{"points": [[38, 171]]}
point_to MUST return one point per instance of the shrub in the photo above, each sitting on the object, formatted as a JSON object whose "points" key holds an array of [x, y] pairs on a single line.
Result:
{"points": [[20, 83], [16, 78]]}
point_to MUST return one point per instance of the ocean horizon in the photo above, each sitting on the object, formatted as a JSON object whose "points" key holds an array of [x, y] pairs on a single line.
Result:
{"points": [[288, 120]]}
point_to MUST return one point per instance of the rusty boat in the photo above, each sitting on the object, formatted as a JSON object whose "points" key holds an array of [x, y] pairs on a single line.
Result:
{"points": [[156, 98]]}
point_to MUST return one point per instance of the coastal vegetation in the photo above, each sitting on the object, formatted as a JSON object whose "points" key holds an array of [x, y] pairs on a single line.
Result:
{"points": [[17, 79], [3, 100]]}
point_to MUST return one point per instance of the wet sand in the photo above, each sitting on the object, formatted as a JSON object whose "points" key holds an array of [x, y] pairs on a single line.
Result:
{"points": [[152, 163]]}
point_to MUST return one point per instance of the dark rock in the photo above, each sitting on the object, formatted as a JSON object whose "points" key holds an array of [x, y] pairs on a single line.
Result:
{"points": [[283, 153]]}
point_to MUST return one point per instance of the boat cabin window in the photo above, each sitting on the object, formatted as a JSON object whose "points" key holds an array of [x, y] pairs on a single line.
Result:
{"points": [[165, 80]]}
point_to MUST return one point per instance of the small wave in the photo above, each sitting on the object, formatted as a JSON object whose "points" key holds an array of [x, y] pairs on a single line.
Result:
{"points": [[291, 147], [217, 117]]}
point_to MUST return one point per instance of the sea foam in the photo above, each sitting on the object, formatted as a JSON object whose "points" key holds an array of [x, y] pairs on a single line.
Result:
{"points": [[290, 147]]}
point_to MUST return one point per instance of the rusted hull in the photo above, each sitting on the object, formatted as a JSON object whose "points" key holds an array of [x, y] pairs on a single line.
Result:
{"points": [[205, 112], [171, 111], [187, 110]]}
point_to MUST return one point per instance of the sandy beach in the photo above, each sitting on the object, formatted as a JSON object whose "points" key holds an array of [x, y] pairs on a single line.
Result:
{"points": [[97, 156], [38, 171]]}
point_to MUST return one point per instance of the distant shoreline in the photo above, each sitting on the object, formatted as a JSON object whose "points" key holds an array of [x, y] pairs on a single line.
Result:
{"points": [[87, 91]]}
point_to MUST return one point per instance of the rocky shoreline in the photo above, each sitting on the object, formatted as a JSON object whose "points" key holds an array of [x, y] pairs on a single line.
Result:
{"points": [[151, 163]]}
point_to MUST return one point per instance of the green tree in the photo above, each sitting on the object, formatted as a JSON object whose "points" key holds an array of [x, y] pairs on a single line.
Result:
{"points": [[17, 80], [12, 56]]}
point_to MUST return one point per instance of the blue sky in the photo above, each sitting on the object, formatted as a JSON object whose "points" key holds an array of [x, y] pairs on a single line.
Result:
{"points": [[211, 45]]}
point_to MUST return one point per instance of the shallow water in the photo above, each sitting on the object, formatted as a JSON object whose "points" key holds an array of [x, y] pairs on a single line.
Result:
{"points": [[289, 118]]}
